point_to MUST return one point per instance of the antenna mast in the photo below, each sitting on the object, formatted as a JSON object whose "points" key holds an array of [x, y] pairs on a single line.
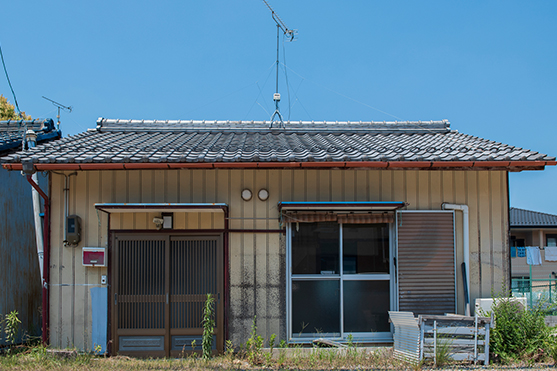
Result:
{"points": [[290, 35], [59, 106]]}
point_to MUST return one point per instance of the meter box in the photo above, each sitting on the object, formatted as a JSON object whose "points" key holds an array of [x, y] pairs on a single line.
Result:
{"points": [[94, 256], [73, 229]]}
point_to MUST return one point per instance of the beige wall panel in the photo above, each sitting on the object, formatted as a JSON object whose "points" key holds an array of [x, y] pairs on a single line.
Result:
{"points": [[184, 185], [399, 187], [261, 265], [386, 184], [210, 186], [236, 203], [324, 185], [127, 221], [460, 186], [271, 208], [499, 245], [179, 220], [147, 185], [206, 221], [337, 185], [192, 221], [285, 182], [473, 204], [411, 187], [120, 184], [349, 182], [423, 190], [435, 196], [250, 206], [134, 189], [159, 178], [261, 208], [171, 189], [374, 191], [361, 185], [312, 185], [447, 189], [485, 239], [299, 190]]}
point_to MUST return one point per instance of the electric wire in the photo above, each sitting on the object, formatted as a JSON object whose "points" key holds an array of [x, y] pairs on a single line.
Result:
{"points": [[270, 70], [449, 139], [343, 95], [10, 83]]}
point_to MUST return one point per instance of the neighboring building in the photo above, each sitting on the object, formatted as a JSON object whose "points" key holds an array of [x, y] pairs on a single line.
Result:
{"points": [[20, 280], [316, 228], [532, 228]]}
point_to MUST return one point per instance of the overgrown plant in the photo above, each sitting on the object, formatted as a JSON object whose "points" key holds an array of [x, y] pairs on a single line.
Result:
{"points": [[520, 333], [11, 324], [208, 324], [442, 351], [254, 344]]}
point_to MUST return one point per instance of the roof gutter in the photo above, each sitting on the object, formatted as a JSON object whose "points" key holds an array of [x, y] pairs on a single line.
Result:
{"points": [[518, 165]]}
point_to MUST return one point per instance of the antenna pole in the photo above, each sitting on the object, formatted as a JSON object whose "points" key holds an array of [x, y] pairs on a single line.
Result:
{"points": [[59, 106], [291, 34]]}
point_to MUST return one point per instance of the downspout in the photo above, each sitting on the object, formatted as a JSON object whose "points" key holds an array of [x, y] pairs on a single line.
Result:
{"points": [[45, 270], [42, 234], [465, 243], [31, 138]]}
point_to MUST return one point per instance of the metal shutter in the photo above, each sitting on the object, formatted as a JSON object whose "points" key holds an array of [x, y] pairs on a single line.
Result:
{"points": [[426, 262]]}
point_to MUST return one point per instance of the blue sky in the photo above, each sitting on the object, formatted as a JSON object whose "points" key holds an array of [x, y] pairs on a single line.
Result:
{"points": [[489, 67]]}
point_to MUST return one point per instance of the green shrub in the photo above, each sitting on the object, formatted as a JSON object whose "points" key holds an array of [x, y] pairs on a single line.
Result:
{"points": [[520, 334], [208, 323]]}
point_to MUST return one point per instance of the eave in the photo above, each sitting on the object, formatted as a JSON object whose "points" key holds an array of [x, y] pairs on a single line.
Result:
{"points": [[416, 165]]}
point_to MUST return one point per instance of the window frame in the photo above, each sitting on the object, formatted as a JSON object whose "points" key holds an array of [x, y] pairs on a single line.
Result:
{"points": [[341, 277]]}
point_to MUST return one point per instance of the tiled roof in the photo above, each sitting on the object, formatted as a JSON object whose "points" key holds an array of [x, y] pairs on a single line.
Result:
{"points": [[139, 141], [528, 218], [12, 132]]}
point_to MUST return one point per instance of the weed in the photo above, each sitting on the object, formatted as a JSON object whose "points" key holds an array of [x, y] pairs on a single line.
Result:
{"points": [[442, 351], [11, 326], [520, 334], [254, 344], [208, 324], [283, 344]]}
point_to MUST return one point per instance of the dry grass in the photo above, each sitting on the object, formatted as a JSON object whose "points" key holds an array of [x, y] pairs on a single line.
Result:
{"points": [[39, 358]]}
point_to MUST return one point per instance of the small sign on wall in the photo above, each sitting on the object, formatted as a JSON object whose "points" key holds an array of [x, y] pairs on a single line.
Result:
{"points": [[94, 256]]}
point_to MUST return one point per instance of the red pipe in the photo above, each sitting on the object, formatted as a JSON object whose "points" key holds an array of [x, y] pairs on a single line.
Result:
{"points": [[293, 165], [46, 259], [226, 296]]}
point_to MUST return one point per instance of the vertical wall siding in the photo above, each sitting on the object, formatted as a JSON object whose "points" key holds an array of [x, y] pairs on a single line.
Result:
{"points": [[20, 281], [256, 260]]}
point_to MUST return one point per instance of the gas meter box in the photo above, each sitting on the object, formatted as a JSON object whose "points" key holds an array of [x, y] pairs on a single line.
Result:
{"points": [[73, 229]]}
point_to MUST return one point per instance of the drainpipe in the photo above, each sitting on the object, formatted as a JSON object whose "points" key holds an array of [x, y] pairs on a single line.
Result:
{"points": [[31, 138], [466, 245]]}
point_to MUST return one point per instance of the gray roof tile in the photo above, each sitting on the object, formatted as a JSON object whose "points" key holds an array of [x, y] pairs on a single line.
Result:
{"points": [[140, 141], [528, 218]]}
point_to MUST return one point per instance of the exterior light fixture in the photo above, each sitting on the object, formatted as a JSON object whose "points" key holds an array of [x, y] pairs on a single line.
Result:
{"points": [[263, 194], [246, 195]]}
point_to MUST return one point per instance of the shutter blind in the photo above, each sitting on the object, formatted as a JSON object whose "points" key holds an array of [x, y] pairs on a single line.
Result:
{"points": [[426, 266]]}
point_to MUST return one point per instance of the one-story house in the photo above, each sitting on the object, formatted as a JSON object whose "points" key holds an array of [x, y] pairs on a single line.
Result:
{"points": [[20, 278], [315, 229]]}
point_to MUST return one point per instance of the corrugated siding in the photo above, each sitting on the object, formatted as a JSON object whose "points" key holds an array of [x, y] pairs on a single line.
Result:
{"points": [[426, 266], [257, 266], [20, 281]]}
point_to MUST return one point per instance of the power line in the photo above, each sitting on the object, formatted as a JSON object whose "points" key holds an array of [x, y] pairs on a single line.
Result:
{"points": [[10, 83]]}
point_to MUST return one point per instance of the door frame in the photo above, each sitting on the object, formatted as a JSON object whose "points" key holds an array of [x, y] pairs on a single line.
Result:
{"points": [[221, 303]]}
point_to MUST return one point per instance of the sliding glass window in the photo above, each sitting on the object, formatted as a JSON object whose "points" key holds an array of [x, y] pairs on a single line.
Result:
{"points": [[339, 281]]}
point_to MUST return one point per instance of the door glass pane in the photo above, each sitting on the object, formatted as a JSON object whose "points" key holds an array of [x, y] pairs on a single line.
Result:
{"points": [[316, 308], [365, 248], [366, 305], [315, 248]]}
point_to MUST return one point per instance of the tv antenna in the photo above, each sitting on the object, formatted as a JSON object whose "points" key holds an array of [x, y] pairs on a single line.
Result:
{"points": [[59, 106], [290, 35]]}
